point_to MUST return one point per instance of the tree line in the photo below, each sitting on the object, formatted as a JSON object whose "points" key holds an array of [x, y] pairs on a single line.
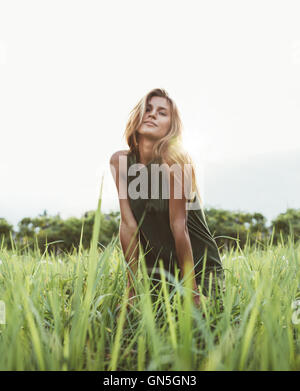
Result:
{"points": [[229, 228]]}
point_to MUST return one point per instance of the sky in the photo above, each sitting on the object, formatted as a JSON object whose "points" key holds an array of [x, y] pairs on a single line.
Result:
{"points": [[71, 72]]}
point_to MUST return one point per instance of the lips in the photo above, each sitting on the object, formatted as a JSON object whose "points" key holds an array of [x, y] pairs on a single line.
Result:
{"points": [[150, 123]]}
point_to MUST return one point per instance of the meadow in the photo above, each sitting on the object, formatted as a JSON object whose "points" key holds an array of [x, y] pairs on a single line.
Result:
{"points": [[71, 312]]}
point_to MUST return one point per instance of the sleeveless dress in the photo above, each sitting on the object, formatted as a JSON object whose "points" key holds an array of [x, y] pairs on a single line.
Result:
{"points": [[156, 238]]}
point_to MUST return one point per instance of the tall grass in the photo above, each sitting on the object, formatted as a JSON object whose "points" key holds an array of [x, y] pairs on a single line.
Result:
{"points": [[73, 313]]}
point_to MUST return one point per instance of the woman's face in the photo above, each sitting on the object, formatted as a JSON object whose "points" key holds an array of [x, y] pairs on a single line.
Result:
{"points": [[157, 118]]}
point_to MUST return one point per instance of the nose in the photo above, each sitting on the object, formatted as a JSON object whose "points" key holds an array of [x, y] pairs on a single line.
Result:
{"points": [[152, 113]]}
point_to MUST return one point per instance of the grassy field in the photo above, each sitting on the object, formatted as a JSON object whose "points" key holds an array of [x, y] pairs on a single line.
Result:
{"points": [[72, 313]]}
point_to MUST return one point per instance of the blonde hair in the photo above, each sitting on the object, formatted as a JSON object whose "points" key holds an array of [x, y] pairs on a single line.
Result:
{"points": [[168, 149]]}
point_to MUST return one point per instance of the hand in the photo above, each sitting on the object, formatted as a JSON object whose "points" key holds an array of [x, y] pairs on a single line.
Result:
{"points": [[197, 300], [131, 300], [196, 296], [131, 297]]}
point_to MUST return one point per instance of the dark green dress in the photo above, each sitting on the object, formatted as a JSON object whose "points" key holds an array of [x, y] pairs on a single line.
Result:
{"points": [[157, 239]]}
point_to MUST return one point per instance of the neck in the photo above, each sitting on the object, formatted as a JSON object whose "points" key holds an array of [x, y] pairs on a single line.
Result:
{"points": [[145, 149]]}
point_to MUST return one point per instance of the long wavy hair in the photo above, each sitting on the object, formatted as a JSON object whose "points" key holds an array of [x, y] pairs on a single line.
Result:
{"points": [[169, 149]]}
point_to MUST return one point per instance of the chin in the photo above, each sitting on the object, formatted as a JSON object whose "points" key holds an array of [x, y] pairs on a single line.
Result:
{"points": [[147, 131], [152, 136]]}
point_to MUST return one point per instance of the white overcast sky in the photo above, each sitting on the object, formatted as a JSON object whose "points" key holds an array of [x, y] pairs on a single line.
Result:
{"points": [[71, 71]]}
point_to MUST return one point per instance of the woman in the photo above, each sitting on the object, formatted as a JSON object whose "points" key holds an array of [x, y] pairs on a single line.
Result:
{"points": [[166, 215]]}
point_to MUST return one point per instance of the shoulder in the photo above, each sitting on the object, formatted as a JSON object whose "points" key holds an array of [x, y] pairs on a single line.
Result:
{"points": [[114, 159]]}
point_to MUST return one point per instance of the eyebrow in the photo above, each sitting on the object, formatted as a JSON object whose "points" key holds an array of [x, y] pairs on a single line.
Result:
{"points": [[160, 107]]}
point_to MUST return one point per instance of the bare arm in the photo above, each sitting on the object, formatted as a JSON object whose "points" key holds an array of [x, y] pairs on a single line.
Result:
{"points": [[128, 225], [178, 225], [129, 243]]}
